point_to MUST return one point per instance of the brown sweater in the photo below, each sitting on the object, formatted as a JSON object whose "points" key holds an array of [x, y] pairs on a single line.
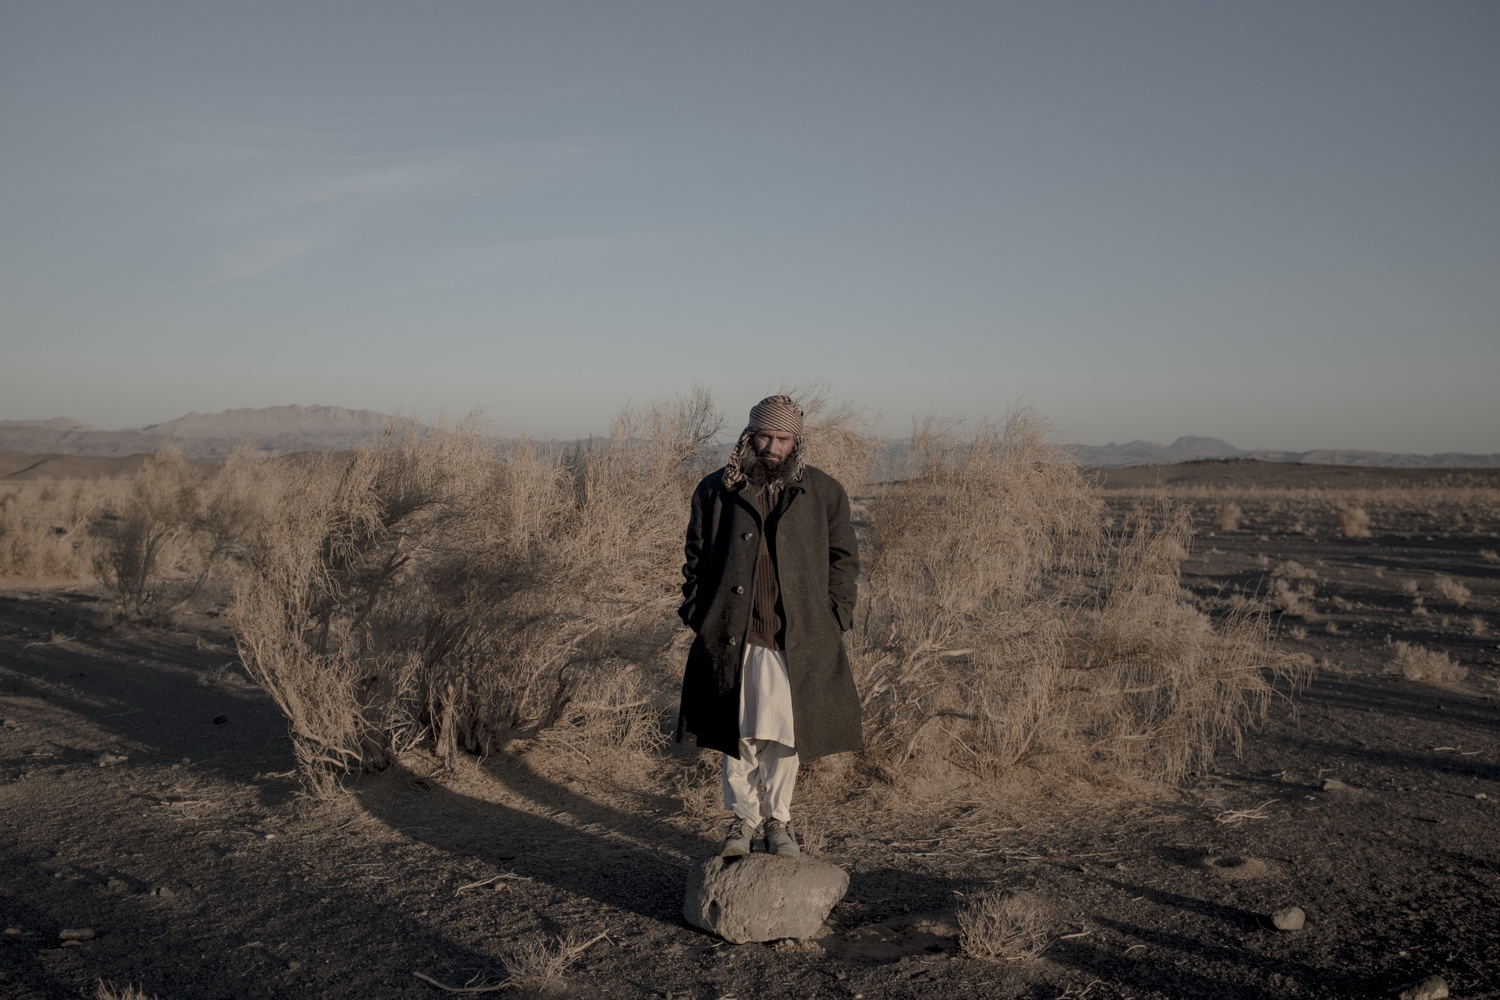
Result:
{"points": [[765, 613]]}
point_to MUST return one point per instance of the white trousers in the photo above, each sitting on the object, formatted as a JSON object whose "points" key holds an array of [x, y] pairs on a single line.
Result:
{"points": [[759, 785]]}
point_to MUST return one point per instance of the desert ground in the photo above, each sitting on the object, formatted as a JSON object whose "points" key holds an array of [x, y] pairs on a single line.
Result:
{"points": [[156, 837]]}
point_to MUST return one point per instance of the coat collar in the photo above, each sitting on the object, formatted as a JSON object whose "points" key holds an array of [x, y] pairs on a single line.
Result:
{"points": [[788, 494]]}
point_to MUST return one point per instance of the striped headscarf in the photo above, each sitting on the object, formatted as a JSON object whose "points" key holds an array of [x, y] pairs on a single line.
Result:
{"points": [[774, 413]]}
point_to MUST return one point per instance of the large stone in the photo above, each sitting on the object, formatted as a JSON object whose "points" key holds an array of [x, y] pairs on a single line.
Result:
{"points": [[762, 897]]}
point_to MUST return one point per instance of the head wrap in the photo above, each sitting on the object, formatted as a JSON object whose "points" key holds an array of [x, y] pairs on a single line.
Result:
{"points": [[774, 413]]}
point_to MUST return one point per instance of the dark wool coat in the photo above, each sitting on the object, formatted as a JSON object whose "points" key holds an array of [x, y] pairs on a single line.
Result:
{"points": [[817, 561]]}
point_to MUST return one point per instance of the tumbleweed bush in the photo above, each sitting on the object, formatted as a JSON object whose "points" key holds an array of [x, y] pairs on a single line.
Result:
{"points": [[426, 588], [1007, 622], [1004, 924]]}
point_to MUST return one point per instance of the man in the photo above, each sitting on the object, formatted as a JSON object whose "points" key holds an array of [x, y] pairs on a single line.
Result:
{"points": [[768, 586]]}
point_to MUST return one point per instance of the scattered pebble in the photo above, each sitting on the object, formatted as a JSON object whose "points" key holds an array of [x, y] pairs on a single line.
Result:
{"points": [[1481, 796], [116, 884], [1332, 785], [75, 934], [107, 759], [13, 931], [1289, 919], [1431, 988], [295, 966]]}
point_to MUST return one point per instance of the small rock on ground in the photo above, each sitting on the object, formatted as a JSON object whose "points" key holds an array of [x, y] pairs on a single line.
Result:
{"points": [[1431, 988], [1290, 918]]}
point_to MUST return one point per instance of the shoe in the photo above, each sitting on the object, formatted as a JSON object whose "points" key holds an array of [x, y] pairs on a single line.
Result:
{"points": [[737, 843], [779, 839]]}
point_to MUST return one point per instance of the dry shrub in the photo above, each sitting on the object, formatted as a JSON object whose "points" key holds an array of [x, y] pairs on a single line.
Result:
{"points": [[44, 527], [1290, 599], [1003, 924], [1477, 625], [423, 587], [1354, 521], [1489, 555], [1002, 625], [1291, 569], [105, 990], [1228, 516], [1418, 663], [838, 440], [536, 965], [1450, 589], [156, 546]]}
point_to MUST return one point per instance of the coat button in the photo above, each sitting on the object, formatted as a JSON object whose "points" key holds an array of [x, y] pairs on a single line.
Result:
{"points": [[734, 642], [748, 535], [739, 590]]}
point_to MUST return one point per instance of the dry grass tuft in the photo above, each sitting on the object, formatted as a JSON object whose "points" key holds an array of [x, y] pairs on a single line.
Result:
{"points": [[1418, 663], [105, 990], [1450, 589], [1003, 924], [536, 965], [1292, 600], [1354, 521], [1228, 516], [1291, 569], [1489, 555]]}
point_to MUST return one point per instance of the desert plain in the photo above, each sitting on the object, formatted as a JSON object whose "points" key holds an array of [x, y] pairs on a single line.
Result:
{"points": [[157, 841]]}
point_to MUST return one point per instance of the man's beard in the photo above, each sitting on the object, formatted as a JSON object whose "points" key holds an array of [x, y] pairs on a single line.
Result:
{"points": [[764, 471]]}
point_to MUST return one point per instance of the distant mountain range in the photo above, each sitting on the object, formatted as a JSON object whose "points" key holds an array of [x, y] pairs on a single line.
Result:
{"points": [[1193, 449], [273, 430], [281, 430]]}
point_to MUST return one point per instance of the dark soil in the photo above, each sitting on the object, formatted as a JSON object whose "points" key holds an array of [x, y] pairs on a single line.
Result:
{"points": [[148, 797]]}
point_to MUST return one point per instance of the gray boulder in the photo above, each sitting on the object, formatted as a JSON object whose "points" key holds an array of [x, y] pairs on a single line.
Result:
{"points": [[762, 897]]}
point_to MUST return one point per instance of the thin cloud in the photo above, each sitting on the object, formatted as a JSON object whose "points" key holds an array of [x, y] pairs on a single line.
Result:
{"points": [[262, 196], [258, 257]]}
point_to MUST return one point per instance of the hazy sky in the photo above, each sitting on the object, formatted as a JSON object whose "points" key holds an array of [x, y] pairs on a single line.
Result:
{"points": [[1277, 223]]}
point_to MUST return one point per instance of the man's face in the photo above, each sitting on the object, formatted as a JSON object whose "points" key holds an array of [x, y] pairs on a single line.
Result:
{"points": [[773, 446]]}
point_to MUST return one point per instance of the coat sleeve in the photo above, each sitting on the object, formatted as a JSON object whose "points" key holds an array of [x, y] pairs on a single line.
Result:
{"points": [[693, 559], [843, 560]]}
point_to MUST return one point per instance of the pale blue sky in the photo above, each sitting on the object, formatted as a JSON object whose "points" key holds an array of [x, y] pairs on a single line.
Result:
{"points": [[1273, 222]]}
